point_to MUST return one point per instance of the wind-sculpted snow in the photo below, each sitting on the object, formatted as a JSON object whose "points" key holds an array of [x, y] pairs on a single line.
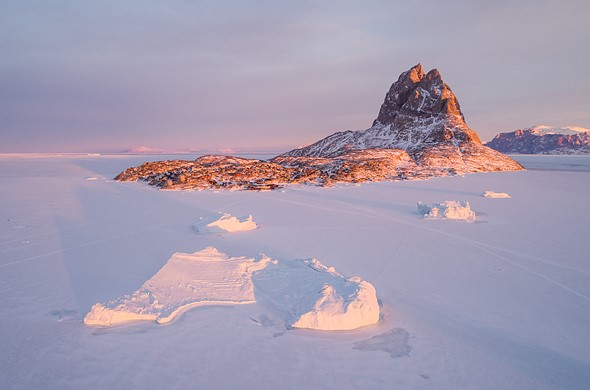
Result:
{"points": [[224, 223], [206, 277], [420, 132], [312, 295]]}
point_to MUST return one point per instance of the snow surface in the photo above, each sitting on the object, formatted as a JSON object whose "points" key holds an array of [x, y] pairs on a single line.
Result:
{"points": [[503, 304], [225, 223], [497, 195], [449, 209]]}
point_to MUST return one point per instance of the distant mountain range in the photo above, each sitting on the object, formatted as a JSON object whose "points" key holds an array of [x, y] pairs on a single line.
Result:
{"points": [[143, 150], [543, 140], [420, 132]]}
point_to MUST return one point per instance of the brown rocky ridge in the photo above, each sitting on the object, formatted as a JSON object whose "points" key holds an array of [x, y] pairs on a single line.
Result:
{"points": [[420, 132]]}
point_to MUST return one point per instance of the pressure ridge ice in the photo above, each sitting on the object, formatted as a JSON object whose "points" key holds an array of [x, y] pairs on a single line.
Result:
{"points": [[309, 294], [449, 209]]}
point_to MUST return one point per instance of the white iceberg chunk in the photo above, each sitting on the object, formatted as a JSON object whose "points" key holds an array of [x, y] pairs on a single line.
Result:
{"points": [[498, 195], [186, 281], [313, 296], [449, 209], [225, 223]]}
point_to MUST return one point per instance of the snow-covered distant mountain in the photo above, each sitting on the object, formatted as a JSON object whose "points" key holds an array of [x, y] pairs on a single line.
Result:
{"points": [[150, 150], [543, 140], [568, 130], [143, 150]]}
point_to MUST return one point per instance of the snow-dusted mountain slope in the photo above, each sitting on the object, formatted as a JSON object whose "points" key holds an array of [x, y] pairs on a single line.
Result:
{"points": [[543, 140], [422, 116]]}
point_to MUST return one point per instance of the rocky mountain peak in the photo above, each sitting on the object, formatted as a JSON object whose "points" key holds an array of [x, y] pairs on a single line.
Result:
{"points": [[417, 93], [419, 112], [398, 94], [415, 74], [433, 97]]}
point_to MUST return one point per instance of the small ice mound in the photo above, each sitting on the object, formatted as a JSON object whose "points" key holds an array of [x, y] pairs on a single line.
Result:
{"points": [[226, 223], [206, 277], [497, 195], [313, 296], [91, 178], [449, 209]]}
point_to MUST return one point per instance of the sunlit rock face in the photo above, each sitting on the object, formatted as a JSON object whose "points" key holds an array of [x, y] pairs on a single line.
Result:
{"points": [[420, 132], [543, 140], [422, 116]]}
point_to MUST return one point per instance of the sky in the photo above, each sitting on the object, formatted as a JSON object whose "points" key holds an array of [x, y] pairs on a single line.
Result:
{"points": [[177, 75]]}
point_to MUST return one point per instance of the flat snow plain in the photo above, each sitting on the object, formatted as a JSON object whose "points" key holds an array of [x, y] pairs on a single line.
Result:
{"points": [[499, 303]]}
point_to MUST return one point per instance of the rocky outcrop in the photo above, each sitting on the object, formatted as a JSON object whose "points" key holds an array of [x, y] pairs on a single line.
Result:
{"points": [[420, 132], [543, 140], [211, 172]]}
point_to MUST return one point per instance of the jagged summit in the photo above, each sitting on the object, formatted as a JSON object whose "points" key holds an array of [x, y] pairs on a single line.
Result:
{"points": [[419, 110], [418, 93], [398, 94]]}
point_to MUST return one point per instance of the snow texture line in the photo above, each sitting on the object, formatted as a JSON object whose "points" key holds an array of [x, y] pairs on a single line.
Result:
{"points": [[393, 256], [477, 244]]}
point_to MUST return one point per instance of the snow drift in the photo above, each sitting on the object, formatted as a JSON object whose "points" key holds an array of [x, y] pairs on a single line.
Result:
{"points": [[498, 195], [187, 280], [313, 295], [449, 209], [225, 223]]}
